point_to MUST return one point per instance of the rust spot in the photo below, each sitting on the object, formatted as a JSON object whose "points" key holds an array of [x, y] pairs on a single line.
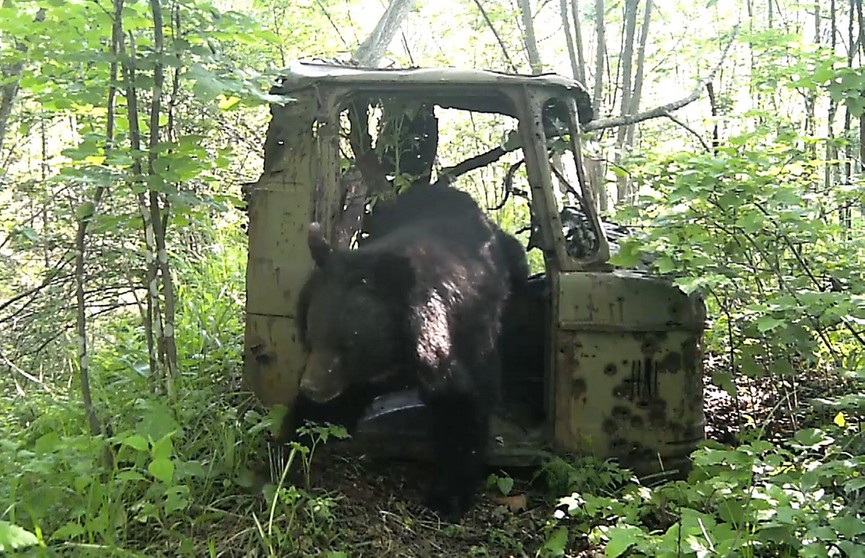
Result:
{"points": [[620, 413], [611, 369], [260, 355], [690, 355], [670, 364], [578, 387], [657, 410], [649, 346]]}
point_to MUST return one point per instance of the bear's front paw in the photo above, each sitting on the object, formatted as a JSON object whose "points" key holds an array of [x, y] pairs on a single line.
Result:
{"points": [[450, 506]]}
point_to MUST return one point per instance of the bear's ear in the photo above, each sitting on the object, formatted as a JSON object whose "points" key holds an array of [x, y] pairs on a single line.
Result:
{"points": [[318, 246], [394, 273]]}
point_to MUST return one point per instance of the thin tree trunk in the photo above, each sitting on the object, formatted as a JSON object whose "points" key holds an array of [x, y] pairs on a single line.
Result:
{"points": [[154, 321], [569, 40], [845, 213], [861, 25], [529, 33], [600, 55], [595, 166], [81, 237], [638, 82], [11, 79], [578, 38], [811, 96], [831, 151], [626, 64], [156, 214]]}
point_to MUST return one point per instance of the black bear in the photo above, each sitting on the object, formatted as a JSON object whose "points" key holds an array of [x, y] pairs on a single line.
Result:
{"points": [[417, 306], [425, 200]]}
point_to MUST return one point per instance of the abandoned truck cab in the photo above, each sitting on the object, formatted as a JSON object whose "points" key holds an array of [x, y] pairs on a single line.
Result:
{"points": [[604, 361]]}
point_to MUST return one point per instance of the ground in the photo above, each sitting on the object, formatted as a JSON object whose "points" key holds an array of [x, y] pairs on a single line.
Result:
{"points": [[376, 509]]}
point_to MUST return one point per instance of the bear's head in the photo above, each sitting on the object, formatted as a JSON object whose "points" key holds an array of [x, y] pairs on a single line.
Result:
{"points": [[352, 317]]}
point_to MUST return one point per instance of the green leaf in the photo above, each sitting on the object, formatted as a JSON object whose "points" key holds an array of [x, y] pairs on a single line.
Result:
{"points": [[29, 234], [505, 484], [13, 537], [851, 549], [164, 447], [724, 380], [628, 255], [176, 499], [69, 531], [619, 171], [768, 323], [557, 543], [848, 526], [49, 443], [226, 103], [136, 441], [621, 539], [84, 211], [812, 438], [162, 469], [854, 485], [665, 265]]}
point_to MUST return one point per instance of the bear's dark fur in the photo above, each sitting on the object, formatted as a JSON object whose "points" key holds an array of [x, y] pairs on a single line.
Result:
{"points": [[425, 200], [420, 305]]}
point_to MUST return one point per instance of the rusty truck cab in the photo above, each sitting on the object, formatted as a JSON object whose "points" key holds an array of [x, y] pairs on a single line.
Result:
{"points": [[622, 362]]}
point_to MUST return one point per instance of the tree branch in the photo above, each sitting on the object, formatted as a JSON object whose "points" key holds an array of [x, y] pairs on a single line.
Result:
{"points": [[452, 173], [51, 278], [496, 33], [663, 110], [693, 132]]}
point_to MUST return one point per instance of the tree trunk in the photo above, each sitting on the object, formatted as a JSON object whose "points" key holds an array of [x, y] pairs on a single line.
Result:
{"points": [[626, 63], [576, 67], [638, 84], [81, 242], [600, 55], [10, 76], [860, 21], [845, 212], [370, 52], [578, 38], [372, 174], [159, 216], [831, 150], [594, 166], [529, 33]]}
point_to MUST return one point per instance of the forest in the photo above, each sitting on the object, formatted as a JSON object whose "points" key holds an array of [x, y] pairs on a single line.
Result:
{"points": [[726, 150]]}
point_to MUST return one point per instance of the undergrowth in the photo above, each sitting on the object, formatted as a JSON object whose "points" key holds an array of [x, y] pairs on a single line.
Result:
{"points": [[181, 482], [798, 497]]}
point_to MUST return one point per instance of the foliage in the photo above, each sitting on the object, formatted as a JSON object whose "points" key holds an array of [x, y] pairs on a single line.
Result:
{"points": [[767, 224], [801, 497], [753, 226]]}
